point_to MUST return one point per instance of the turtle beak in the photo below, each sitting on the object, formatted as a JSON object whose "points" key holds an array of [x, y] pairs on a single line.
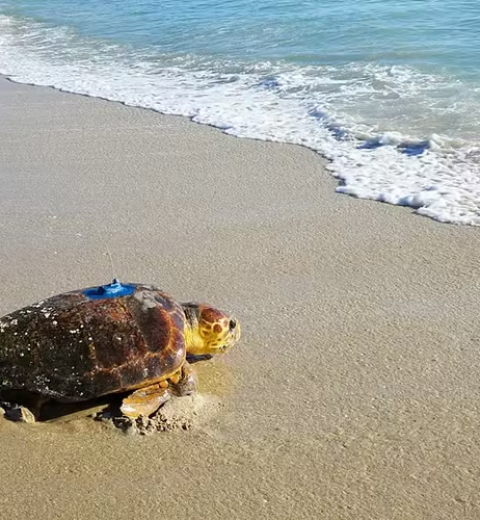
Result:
{"points": [[196, 359], [233, 335], [235, 330]]}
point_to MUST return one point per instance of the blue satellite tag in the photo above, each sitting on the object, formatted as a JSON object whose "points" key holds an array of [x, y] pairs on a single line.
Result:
{"points": [[112, 290]]}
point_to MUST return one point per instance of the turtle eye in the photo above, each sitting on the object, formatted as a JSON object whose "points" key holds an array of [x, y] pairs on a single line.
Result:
{"points": [[233, 324]]}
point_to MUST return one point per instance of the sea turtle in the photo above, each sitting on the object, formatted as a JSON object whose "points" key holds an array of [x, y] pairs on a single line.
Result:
{"points": [[111, 339]]}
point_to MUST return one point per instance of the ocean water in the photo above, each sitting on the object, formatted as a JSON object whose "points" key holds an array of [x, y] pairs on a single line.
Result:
{"points": [[388, 91]]}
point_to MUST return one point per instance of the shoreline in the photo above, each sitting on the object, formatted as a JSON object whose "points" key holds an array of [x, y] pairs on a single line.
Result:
{"points": [[429, 193], [353, 393]]}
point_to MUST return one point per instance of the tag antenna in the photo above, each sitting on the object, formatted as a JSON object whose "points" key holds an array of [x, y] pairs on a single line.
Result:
{"points": [[111, 262]]}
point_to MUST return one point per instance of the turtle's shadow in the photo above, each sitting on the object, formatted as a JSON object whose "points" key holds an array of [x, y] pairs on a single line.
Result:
{"points": [[57, 411]]}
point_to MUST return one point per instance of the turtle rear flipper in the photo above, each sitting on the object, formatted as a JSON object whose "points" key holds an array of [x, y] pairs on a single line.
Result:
{"points": [[19, 413], [22, 405]]}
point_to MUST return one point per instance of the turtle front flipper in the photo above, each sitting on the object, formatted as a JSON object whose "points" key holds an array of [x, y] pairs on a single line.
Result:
{"points": [[184, 381], [145, 401]]}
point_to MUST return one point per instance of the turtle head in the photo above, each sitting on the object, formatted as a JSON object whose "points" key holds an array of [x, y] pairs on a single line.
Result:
{"points": [[209, 331]]}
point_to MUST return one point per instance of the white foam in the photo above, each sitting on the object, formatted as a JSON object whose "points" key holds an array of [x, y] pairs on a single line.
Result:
{"points": [[330, 110]]}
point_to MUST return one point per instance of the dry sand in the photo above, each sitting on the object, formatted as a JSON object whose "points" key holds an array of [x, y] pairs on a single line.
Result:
{"points": [[355, 391]]}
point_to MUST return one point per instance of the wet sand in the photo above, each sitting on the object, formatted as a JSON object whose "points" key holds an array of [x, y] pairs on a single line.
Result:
{"points": [[355, 390]]}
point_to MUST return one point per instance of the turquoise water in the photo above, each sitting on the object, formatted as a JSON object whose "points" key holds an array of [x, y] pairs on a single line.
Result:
{"points": [[388, 91], [429, 33]]}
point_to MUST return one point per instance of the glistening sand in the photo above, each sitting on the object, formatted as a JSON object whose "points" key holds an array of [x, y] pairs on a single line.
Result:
{"points": [[355, 391]]}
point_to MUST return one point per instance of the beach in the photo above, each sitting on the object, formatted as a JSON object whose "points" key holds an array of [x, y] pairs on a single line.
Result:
{"points": [[354, 392]]}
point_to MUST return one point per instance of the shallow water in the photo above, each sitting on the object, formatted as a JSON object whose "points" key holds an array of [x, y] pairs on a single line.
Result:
{"points": [[387, 91]]}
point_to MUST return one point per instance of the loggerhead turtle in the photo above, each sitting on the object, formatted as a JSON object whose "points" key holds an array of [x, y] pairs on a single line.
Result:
{"points": [[111, 339]]}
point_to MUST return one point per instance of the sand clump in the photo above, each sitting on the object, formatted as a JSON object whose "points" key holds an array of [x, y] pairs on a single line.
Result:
{"points": [[181, 413]]}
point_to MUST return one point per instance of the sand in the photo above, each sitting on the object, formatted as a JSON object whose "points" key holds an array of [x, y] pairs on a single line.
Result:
{"points": [[355, 390]]}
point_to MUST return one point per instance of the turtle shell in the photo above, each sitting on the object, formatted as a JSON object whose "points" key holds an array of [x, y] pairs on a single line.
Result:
{"points": [[75, 347]]}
